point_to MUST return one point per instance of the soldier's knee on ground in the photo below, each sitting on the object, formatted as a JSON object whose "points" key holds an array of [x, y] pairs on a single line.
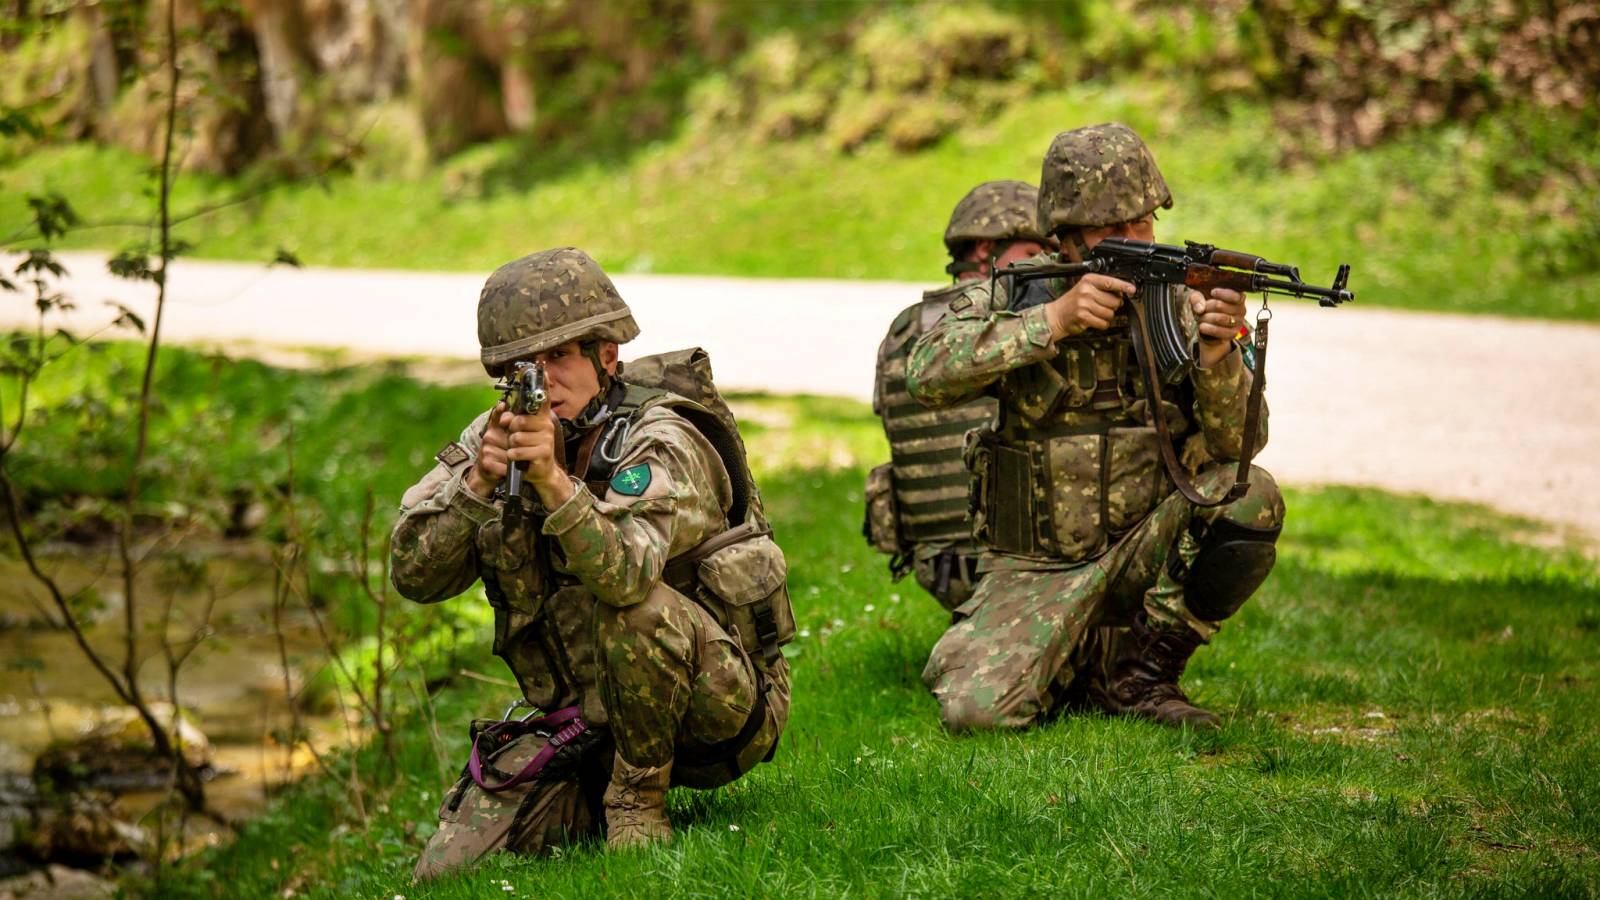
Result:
{"points": [[1237, 551], [961, 717]]}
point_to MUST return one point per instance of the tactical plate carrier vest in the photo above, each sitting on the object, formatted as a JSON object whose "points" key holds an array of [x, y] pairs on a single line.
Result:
{"points": [[1072, 463], [919, 498]]}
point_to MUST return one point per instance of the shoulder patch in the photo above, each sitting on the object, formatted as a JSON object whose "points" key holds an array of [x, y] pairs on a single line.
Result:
{"points": [[632, 481], [452, 454]]}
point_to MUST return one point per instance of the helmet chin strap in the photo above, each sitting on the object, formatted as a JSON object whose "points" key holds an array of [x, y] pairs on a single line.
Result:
{"points": [[605, 400], [1075, 236]]}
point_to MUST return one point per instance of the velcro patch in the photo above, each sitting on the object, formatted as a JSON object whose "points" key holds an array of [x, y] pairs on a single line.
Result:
{"points": [[452, 454], [632, 481]]}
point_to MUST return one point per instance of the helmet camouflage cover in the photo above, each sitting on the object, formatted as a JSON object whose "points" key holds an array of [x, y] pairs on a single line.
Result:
{"points": [[995, 211], [1097, 176], [547, 299]]}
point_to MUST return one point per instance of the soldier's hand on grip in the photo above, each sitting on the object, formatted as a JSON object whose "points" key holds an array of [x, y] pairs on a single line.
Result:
{"points": [[1090, 303], [490, 468], [1220, 314], [536, 440]]}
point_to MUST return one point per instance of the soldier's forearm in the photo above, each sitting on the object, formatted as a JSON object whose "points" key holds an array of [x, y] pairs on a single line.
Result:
{"points": [[431, 547], [1221, 399], [619, 559], [956, 361]]}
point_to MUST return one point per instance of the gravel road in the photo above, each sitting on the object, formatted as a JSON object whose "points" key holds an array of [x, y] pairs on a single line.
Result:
{"points": [[1503, 412]]}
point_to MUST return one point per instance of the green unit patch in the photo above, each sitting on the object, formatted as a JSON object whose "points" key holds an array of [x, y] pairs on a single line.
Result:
{"points": [[632, 481]]}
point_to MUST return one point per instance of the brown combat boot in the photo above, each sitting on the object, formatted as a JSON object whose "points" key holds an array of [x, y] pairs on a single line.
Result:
{"points": [[1144, 681], [636, 805]]}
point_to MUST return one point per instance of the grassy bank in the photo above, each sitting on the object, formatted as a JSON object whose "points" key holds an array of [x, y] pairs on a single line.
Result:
{"points": [[1409, 707], [1451, 218]]}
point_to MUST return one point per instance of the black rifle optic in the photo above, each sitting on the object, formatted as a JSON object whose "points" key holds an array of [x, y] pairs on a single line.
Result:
{"points": [[1161, 346]]}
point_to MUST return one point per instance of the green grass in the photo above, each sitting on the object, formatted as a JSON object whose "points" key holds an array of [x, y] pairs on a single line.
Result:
{"points": [[1461, 217], [1409, 703]]}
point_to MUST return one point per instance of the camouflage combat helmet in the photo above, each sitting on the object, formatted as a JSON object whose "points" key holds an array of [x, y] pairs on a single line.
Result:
{"points": [[1099, 175], [545, 300], [995, 211]]}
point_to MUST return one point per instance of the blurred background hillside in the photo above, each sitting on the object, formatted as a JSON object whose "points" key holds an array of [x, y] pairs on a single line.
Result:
{"points": [[1418, 140]]}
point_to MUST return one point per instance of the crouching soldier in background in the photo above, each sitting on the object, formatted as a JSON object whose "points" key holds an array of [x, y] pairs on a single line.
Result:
{"points": [[1086, 529], [917, 502], [638, 596]]}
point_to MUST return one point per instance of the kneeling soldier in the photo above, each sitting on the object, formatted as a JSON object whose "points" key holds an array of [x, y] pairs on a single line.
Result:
{"points": [[638, 596], [917, 502], [1086, 530]]}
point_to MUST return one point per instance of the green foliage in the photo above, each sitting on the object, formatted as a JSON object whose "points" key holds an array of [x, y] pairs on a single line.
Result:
{"points": [[1508, 199], [1409, 705]]}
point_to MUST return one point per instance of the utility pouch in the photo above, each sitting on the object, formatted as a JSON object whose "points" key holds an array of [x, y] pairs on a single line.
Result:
{"points": [[1007, 514], [741, 577], [751, 579], [882, 524], [1035, 391]]}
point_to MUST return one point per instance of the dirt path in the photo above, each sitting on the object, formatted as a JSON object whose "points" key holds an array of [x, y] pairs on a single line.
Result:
{"points": [[1498, 411]]}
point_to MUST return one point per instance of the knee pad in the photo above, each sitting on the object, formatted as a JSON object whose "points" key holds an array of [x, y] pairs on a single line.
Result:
{"points": [[1233, 561]]}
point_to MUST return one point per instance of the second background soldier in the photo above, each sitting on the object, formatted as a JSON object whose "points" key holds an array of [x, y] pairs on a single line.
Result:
{"points": [[917, 502]]}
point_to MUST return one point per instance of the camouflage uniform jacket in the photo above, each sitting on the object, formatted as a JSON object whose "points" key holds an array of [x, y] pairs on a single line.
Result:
{"points": [[1079, 408], [553, 570]]}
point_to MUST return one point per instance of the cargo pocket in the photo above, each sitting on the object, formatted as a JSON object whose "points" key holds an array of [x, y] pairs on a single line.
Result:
{"points": [[749, 581], [1077, 506], [1135, 481], [882, 525]]}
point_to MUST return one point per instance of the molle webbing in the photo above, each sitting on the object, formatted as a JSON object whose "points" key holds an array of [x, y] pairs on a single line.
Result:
{"points": [[930, 480]]}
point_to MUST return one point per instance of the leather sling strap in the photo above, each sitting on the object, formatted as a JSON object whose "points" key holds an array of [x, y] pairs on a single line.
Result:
{"points": [[1144, 351]]}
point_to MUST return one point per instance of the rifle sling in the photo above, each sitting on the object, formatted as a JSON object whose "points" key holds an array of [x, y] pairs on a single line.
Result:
{"points": [[1144, 351]]}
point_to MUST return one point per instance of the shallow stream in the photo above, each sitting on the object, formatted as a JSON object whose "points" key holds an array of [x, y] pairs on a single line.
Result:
{"points": [[232, 687]]}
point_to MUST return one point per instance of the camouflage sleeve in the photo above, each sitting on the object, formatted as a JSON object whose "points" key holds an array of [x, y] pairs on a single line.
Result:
{"points": [[431, 549], [972, 347], [1221, 394], [669, 494]]}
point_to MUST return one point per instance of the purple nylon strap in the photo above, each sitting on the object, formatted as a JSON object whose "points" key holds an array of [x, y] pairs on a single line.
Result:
{"points": [[570, 727]]}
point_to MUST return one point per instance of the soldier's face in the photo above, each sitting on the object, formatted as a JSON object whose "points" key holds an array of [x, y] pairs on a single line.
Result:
{"points": [[1018, 252], [570, 376]]}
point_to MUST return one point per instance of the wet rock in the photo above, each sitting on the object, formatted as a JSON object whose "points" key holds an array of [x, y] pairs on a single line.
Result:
{"points": [[83, 829], [118, 755], [56, 883]]}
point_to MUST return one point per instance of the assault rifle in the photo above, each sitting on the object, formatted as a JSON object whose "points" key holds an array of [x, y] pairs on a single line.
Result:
{"points": [[1161, 346], [1152, 268], [523, 392]]}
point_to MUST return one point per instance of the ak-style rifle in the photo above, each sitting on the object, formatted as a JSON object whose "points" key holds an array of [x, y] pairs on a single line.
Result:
{"points": [[524, 392], [1161, 345]]}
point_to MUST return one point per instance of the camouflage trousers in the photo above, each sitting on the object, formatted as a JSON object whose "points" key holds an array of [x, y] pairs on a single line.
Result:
{"points": [[1029, 640], [676, 686]]}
